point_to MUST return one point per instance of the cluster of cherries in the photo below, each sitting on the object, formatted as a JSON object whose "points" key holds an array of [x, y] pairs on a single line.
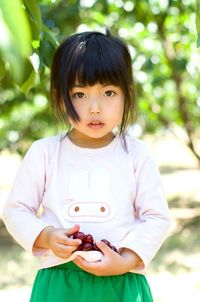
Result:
{"points": [[88, 243]]}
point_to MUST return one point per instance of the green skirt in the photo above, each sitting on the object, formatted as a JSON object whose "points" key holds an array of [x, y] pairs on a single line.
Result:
{"points": [[69, 283]]}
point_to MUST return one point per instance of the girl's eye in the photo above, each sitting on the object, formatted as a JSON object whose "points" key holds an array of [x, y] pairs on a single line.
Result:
{"points": [[79, 95], [109, 93]]}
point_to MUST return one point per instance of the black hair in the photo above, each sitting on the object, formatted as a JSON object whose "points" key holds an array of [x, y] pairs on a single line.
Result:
{"points": [[91, 57]]}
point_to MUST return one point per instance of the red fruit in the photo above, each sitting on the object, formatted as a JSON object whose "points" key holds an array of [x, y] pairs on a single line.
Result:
{"points": [[114, 248], [88, 243], [106, 242], [87, 247], [79, 235], [80, 248], [88, 239]]}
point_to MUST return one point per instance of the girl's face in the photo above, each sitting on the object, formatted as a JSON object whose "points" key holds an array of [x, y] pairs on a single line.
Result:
{"points": [[100, 108]]}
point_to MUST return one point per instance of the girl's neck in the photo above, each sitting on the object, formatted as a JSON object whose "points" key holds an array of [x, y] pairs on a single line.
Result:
{"points": [[85, 141]]}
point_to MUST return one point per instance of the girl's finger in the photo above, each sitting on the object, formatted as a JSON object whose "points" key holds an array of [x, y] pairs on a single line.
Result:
{"points": [[104, 248], [82, 263], [69, 241], [73, 230], [90, 267], [65, 249]]}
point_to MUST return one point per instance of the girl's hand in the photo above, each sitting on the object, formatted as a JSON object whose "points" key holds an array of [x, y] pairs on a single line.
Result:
{"points": [[58, 241], [112, 263]]}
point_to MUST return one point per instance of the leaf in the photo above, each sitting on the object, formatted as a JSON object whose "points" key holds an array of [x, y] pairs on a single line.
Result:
{"points": [[34, 10], [35, 44], [46, 52], [2, 69], [48, 45], [26, 70], [17, 23], [198, 15], [29, 83], [47, 34], [198, 21], [16, 42], [180, 64], [34, 15], [198, 40]]}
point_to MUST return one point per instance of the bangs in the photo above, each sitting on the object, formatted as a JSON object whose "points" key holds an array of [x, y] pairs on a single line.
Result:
{"points": [[92, 63]]}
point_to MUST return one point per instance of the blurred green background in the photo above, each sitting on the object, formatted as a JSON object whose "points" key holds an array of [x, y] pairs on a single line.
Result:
{"points": [[162, 37]]}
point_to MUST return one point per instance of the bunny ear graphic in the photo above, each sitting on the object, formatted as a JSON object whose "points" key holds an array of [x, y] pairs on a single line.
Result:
{"points": [[100, 181], [89, 186], [78, 183]]}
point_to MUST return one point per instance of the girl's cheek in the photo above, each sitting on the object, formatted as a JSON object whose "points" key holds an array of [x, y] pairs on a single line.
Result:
{"points": [[72, 122]]}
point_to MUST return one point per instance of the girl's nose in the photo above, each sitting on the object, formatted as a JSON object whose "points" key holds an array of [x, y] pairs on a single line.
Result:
{"points": [[95, 107], [95, 111]]}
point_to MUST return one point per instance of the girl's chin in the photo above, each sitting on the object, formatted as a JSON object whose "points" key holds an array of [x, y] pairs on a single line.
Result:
{"points": [[93, 132], [94, 138]]}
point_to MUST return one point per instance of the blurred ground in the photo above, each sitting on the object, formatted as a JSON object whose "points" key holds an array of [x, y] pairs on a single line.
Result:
{"points": [[173, 274]]}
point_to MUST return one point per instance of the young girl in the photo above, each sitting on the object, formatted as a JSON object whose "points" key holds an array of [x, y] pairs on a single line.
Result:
{"points": [[90, 180]]}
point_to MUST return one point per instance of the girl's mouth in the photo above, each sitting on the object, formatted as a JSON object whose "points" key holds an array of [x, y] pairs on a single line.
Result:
{"points": [[96, 125]]}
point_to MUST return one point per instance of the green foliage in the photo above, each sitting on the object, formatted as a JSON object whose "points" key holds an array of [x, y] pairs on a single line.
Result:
{"points": [[15, 40], [198, 21], [34, 15], [162, 40]]}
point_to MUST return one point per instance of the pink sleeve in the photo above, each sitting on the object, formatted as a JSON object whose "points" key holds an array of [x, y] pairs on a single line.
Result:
{"points": [[150, 206], [24, 200]]}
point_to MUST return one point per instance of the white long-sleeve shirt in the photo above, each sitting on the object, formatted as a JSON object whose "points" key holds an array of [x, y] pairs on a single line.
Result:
{"points": [[112, 193]]}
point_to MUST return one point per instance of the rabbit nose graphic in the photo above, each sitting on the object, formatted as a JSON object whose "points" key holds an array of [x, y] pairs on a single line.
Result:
{"points": [[89, 197], [88, 209]]}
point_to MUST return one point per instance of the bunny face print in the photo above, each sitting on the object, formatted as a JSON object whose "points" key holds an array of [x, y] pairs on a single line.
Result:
{"points": [[90, 198]]}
